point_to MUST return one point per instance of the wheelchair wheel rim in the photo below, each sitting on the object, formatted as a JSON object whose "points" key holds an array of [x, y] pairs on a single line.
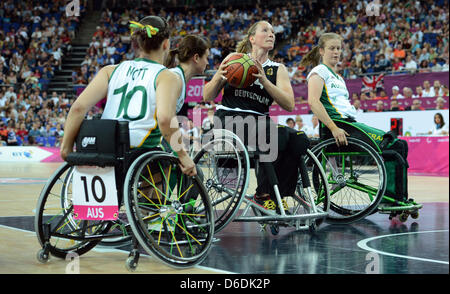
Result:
{"points": [[164, 227]]}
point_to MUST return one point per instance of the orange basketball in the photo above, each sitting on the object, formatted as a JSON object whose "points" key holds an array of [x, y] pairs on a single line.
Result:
{"points": [[240, 70]]}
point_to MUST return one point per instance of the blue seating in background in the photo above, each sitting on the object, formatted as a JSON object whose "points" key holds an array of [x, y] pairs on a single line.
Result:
{"points": [[51, 141]]}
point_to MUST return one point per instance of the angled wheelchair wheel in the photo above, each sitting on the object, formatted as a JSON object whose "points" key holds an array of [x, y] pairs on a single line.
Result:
{"points": [[57, 231], [170, 215], [312, 191], [356, 177], [224, 167]]}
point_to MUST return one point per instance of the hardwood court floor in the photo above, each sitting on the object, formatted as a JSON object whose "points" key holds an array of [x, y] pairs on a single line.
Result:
{"points": [[241, 248]]}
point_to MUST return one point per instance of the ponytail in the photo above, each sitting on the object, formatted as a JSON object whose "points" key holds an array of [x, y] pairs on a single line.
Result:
{"points": [[171, 58], [188, 47], [245, 46], [311, 58]]}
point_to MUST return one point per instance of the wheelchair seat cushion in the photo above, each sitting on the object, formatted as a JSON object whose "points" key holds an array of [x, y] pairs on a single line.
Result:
{"points": [[97, 136], [100, 142]]}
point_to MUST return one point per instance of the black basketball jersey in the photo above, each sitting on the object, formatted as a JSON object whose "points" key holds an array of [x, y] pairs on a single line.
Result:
{"points": [[254, 97]]}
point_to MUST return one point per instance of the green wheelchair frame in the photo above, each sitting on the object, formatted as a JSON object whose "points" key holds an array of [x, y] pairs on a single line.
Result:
{"points": [[341, 164]]}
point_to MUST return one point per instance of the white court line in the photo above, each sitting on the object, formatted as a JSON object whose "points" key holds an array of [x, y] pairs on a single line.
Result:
{"points": [[363, 245], [16, 229], [103, 249]]}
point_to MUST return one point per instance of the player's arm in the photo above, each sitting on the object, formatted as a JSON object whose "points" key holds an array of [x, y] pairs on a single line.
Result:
{"points": [[282, 92], [96, 90], [315, 87], [168, 89]]}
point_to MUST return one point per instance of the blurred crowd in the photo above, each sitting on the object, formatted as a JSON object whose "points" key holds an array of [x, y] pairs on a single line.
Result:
{"points": [[35, 37], [406, 36]]}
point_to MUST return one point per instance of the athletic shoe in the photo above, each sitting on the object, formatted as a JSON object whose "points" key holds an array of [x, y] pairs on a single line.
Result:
{"points": [[285, 206], [265, 202]]}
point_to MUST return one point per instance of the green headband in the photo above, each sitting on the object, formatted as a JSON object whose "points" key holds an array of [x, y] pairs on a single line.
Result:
{"points": [[151, 31]]}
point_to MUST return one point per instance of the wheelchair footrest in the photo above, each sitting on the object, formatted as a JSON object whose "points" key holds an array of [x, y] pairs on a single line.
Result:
{"points": [[389, 208], [281, 218]]}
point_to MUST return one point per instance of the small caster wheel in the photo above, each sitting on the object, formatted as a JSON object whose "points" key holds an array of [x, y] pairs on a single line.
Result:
{"points": [[42, 256], [415, 214], [131, 264], [274, 230], [403, 217], [392, 215], [263, 227]]}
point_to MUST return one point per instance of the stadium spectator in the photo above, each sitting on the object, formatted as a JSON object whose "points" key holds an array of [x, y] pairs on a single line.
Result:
{"points": [[440, 103], [381, 63], [416, 105], [3, 133], [35, 131], [12, 138], [419, 92], [300, 126], [424, 66], [399, 52], [290, 122], [407, 93], [437, 89], [372, 95], [440, 127], [396, 93], [357, 105], [444, 90], [410, 64], [397, 65], [22, 132], [379, 106], [315, 127], [428, 91], [382, 95], [395, 106]]}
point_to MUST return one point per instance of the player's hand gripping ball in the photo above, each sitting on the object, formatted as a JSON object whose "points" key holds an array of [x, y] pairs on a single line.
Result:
{"points": [[240, 69]]}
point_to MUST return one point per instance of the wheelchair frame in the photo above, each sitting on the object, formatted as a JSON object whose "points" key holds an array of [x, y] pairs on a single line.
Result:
{"points": [[402, 209], [91, 234], [261, 215]]}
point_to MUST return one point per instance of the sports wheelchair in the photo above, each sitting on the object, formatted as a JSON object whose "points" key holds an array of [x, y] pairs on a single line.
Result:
{"points": [[364, 177], [224, 165], [107, 192]]}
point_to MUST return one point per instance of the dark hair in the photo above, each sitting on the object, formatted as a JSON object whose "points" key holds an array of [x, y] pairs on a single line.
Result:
{"points": [[188, 47], [140, 39], [442, 120], [290, 119]]}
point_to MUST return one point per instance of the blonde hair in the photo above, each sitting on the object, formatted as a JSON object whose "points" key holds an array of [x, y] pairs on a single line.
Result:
{"points": [[313, 57], [245, 46]]}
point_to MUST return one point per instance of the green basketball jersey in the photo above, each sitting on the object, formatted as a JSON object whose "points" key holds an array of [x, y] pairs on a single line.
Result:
{"points": [[132, 97]]}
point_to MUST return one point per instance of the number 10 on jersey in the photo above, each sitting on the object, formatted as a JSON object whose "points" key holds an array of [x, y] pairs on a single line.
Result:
{"points": [[94, 193]]}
